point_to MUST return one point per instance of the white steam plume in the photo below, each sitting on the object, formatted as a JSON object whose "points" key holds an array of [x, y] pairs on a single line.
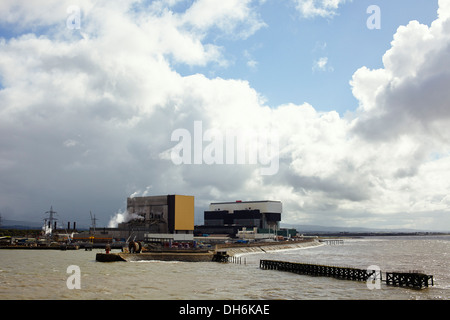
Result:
{"points": [[122, 216]]}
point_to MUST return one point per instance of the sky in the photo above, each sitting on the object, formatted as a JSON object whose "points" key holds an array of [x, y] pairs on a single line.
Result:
{"points": [[345, 101]]}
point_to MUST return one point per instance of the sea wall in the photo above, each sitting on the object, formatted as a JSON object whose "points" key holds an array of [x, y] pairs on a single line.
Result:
{"points": [[268, 247]]}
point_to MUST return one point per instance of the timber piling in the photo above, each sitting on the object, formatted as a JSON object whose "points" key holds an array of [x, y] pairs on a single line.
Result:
{"points": [[318, 270], [408, 280]]}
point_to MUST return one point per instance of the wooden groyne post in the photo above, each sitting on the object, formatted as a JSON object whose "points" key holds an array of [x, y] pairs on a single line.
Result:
{"points": [[406, 279], [222, 256], [237, 260], [318, 270], [401, 279]]}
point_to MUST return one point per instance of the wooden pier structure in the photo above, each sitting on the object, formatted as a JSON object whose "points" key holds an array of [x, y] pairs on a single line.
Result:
{"points": [[319, 270], [409, 280], [406, 279], [222, 256]]}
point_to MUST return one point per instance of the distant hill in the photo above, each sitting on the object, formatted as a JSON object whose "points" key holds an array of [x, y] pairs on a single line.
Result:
{"points": [[326, 229], [27, 225], [16, 224]]}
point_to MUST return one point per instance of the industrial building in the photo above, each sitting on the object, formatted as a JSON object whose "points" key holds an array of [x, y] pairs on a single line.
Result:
{"points": [[162, 215], [153, 218], [231, 217], [170, 218]]}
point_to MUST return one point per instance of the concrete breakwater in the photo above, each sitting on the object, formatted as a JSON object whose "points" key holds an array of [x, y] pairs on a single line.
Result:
{"points": [[160, 256], [186, 255]]}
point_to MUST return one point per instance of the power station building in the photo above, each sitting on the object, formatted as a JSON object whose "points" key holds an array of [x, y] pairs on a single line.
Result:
{"points": [[230, 217], [162, 214], [170, 218], [162, 217], [153, 218]]}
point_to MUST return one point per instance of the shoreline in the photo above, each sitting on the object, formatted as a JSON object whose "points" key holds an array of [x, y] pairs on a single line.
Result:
{"points": [[230, 250]]}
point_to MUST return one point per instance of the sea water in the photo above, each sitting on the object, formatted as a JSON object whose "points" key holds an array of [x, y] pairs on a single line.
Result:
{"points": [[44, 274]]}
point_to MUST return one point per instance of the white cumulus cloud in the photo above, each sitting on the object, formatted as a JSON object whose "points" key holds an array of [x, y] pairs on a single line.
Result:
{"points": [[85, 117], [318, 8]]}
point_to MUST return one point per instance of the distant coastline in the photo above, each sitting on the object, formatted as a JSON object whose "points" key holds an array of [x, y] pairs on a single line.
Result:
{"points": [[20, 231], [19, 228], [372, 234]]}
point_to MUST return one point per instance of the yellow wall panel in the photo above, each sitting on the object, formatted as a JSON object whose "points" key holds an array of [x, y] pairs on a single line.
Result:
{"points": [[184, 212]]}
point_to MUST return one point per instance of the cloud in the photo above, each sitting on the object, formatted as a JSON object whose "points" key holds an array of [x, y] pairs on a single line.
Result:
{"points": [[70, 143], [318, 8], [408, 95], [232, 17], [85, 116], [322, 64], [251, 63]]}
